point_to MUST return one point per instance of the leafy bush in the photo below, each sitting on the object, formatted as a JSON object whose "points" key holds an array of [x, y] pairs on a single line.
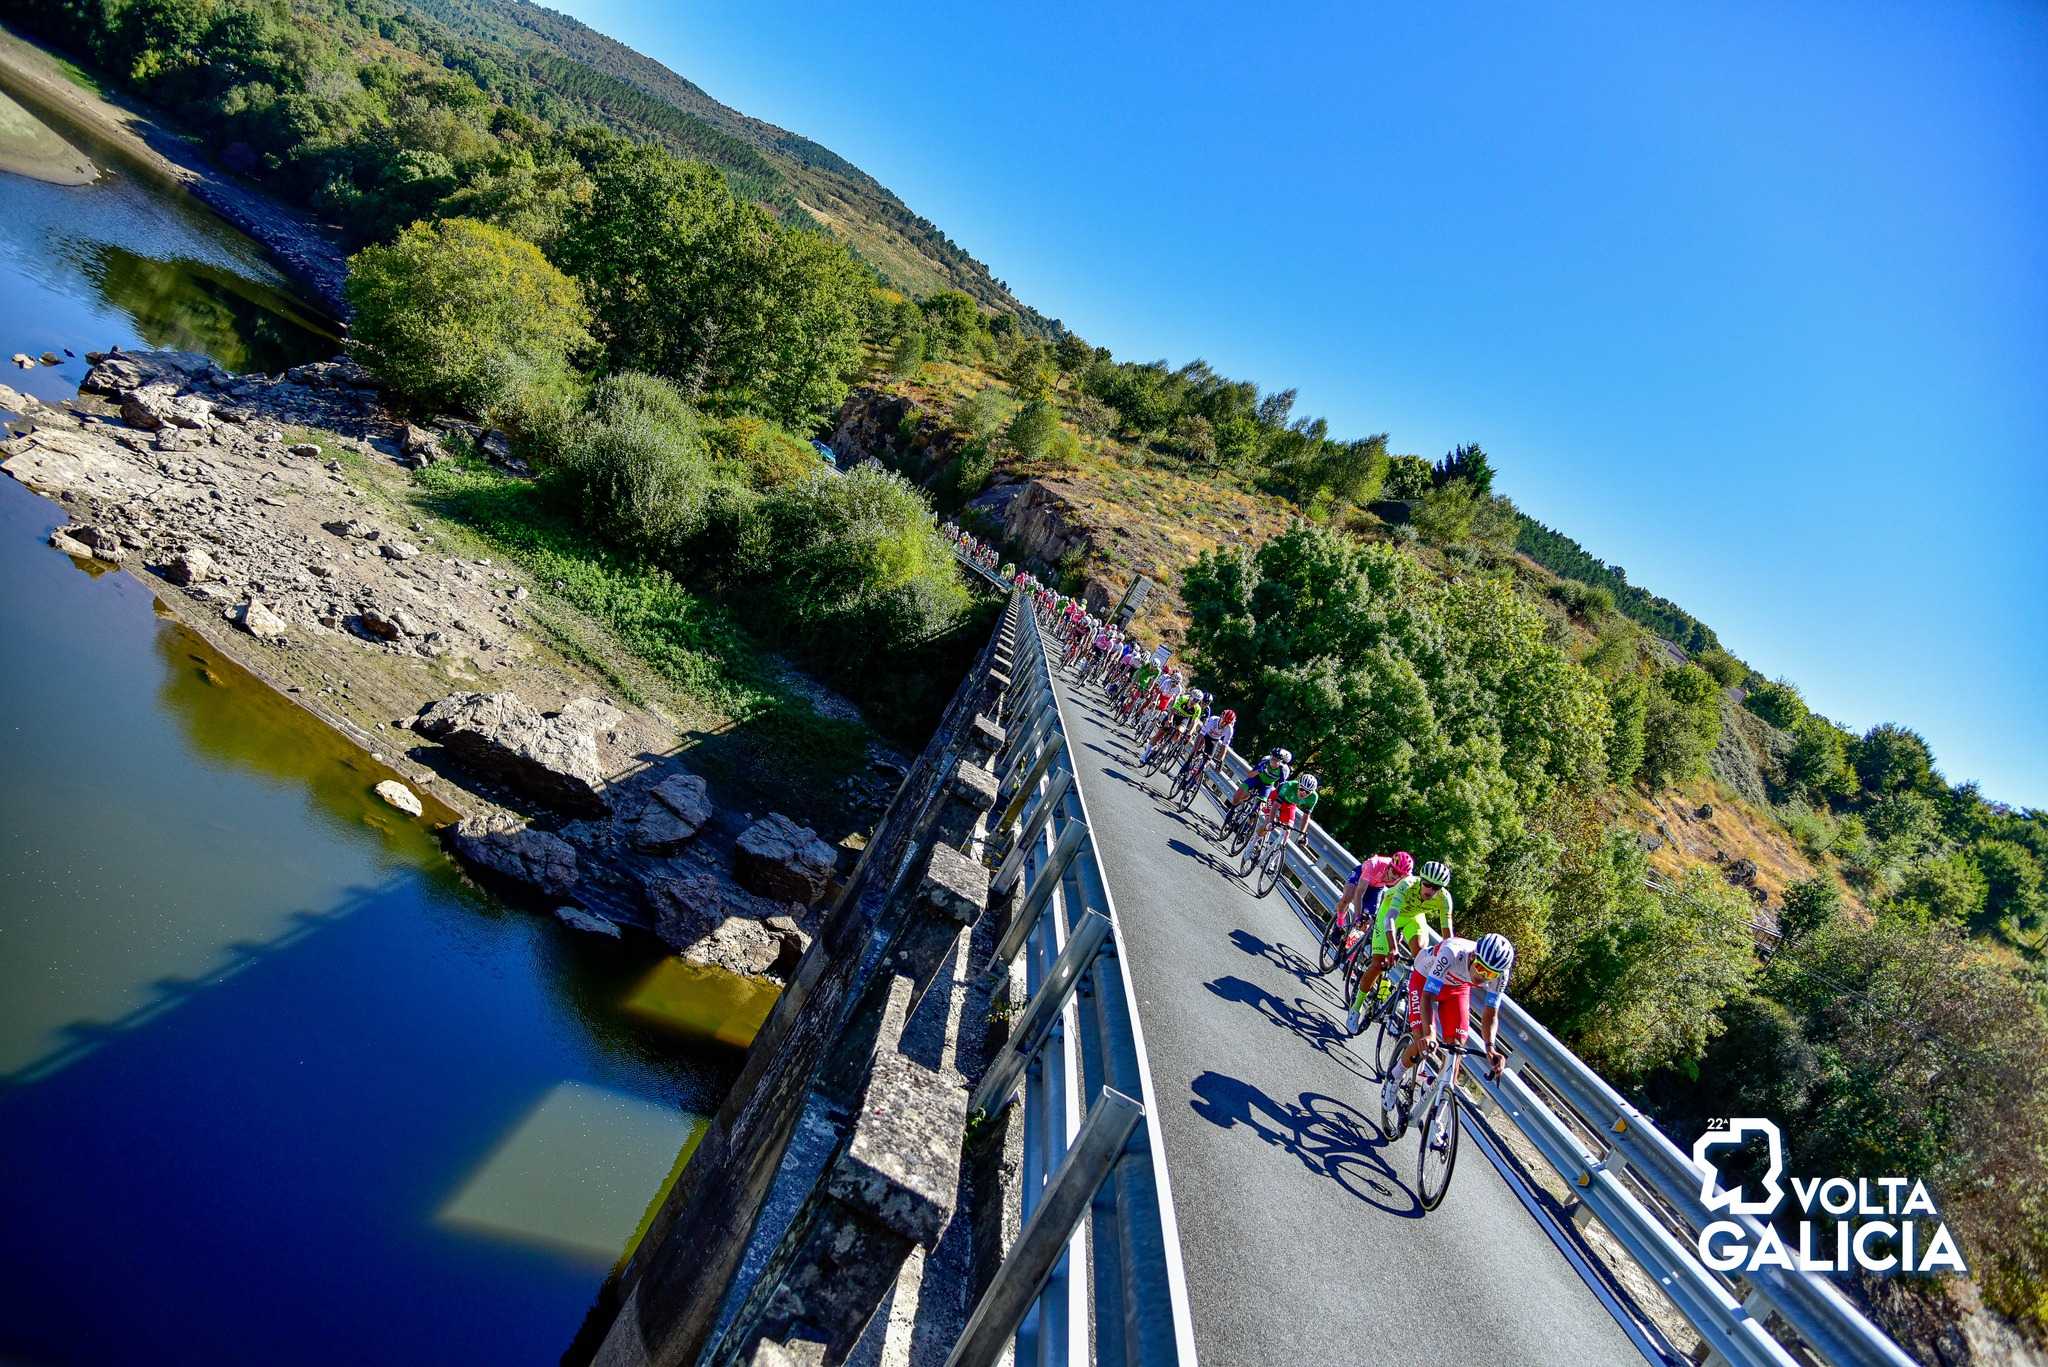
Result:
{"points": [[1892, 758], [458, 314], [1809, 906], [1818, 765], [758, 453], [1726, 669], [1946, 889], [1437, 716], [639, 468], [1681, 725], [1408, 477], [1813, 830], [1031, 431], [1777, 702], [1628, 702]]}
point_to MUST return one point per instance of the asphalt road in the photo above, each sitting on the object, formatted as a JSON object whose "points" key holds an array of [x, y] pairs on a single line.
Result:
{"points": [[1301, 1234]]}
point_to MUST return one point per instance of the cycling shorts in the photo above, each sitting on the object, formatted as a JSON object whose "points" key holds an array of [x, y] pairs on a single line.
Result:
{"points": [[1387, 936], [1453, 1008], [1283, 813], [1254, 782]]}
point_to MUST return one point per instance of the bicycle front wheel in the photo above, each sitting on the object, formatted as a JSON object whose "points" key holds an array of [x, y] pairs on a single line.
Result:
{"points": [[1331, 950], [1270, 867], [1393, 1036], [1439, 1149]]}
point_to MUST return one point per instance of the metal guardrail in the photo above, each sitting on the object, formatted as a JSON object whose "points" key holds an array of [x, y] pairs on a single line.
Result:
{"points": [[1620, 1168], [984, 571], [1095, 1274]]}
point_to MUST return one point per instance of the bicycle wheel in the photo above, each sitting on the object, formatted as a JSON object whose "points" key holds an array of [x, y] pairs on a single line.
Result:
{"points": [[1190, 784], [1439, 1150], [1250, 852], [1270, 867], [1393, 1117], [1331, 949]]}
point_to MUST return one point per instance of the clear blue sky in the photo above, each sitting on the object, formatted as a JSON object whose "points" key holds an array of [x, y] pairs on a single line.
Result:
{"points": [[1752, 303]]}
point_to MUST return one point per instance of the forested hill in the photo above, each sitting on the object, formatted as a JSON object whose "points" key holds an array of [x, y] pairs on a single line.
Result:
{"points": [[581, 70]]}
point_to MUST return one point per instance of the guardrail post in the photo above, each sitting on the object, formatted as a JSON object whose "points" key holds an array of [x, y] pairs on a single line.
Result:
{"points": [[985, 738], [890, 1189], [1035, 1025], [1044, 1239]]}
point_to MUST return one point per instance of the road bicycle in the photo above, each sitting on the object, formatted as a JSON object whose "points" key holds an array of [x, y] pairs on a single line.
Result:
{"points": [[1335, 938], [1434, 1095], [1386, 1013], [1265, 855], [1188, 781]]}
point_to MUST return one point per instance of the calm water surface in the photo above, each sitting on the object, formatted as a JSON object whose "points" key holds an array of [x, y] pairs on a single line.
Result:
{"points": [[275, 1084]]}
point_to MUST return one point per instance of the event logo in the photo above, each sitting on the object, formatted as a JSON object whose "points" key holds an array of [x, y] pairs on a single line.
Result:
{"points": [[1877, 1223]]}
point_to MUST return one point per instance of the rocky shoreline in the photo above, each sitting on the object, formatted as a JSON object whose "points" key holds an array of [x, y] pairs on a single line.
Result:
{"points": [[259, 510]]}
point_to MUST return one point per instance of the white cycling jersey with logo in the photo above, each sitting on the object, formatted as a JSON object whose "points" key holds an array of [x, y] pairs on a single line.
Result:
{"points": [[1450, 961]]}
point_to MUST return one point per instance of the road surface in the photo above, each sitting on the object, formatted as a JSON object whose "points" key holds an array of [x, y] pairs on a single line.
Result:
{"points": [[1300, 1231]]}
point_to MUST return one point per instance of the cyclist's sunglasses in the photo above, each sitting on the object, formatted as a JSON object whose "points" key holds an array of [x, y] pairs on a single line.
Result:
{"points": [[1484, 969]]}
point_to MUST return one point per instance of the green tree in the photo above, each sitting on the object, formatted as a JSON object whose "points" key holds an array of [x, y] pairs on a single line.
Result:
{"points": [[1445, 514], [1810, 905], [1818, 764], [1072, 354], [1636, 978], [1681, 725], [1892, 759], [1465, 464], [1628, 701], [1194, 438], [1946, 889], [1408, 477], [1032, 429], [907, 358], [1028, 368], [1778, 703], [459, 314], [981, 414], [637, 469], [2012, 881], [1726, 669], [953, 321]]}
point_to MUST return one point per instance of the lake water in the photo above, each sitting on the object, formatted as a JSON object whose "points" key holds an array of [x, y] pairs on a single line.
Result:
{"points": [[276, 1085]]}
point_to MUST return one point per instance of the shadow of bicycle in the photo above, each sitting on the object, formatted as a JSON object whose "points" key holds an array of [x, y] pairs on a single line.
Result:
{"points": [[1331, 1138], [1307, 1020]]}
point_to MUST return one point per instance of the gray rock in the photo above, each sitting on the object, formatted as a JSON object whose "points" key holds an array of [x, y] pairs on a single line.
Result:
{"points": [[778, 858], [14, 401], [588, 714], [576, 918], [190, 566], [675, 810], [550, 759], [24, 360], [520, 854], [52, 358], [259, 621], [399, 796], [378, 625], [350, 528], [420, 445], [398, 550], [76, 549], [308, 450]]}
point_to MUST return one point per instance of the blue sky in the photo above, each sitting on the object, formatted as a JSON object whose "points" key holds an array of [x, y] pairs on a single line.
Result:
{"points": [[1753, 303]]}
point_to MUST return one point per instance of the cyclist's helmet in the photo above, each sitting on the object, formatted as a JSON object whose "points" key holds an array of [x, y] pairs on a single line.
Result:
{"points": [[1496, 951], [1230, 716], [1436, 873], [1308, 783], [1284, 756], [1404, 864]]}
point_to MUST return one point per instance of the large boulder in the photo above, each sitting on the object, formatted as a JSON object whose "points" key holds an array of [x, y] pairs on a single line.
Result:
{"points": [[519, 854], [778, 858], [551, 759], [704, 918], [676, 809]]}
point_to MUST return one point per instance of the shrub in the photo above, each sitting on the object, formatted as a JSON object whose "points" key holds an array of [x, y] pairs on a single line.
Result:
{"points": [[1812, 830], [1681, 725], [1809, 906], [907, 358], [464, 315], [758, 454], [639, 468], [1778, 703], [1819, 763], [1031, 430], [1892, 758], [1726, 669], [980, 414], [1408, 477]]}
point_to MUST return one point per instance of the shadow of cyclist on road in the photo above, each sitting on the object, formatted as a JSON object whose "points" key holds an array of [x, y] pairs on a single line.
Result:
{"points": [[1285, 957], [1331, 1138], [1303, 1018]]}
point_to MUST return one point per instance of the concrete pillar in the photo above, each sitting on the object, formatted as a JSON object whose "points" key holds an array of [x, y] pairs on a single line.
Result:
{"points": [[985, 739], [995, 686], [891, 1189], [951, 894], [970, 795]]}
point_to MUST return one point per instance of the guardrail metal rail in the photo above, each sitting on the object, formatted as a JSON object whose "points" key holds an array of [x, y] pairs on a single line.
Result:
{"points": [[1095, 1273]]}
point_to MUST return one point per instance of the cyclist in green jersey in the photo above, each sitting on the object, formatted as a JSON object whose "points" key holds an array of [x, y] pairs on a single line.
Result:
{"points": [[1403, 926]]}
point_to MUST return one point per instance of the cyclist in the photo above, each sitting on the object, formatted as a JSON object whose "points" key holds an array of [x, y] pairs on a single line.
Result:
{"points": [[1272, 768], [1402, 926], [1184, 711], [1294, 799], [1440, 993], [1362, 889], [1141, 686]]}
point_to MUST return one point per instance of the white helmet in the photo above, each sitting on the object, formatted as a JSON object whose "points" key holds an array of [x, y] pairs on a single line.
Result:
{"points": [[1496, 951], [1308, 783], [1284, 756]]}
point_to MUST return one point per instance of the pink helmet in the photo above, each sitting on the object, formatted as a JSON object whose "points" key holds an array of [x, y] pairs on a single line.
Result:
{"points": [[1404, 864]]}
